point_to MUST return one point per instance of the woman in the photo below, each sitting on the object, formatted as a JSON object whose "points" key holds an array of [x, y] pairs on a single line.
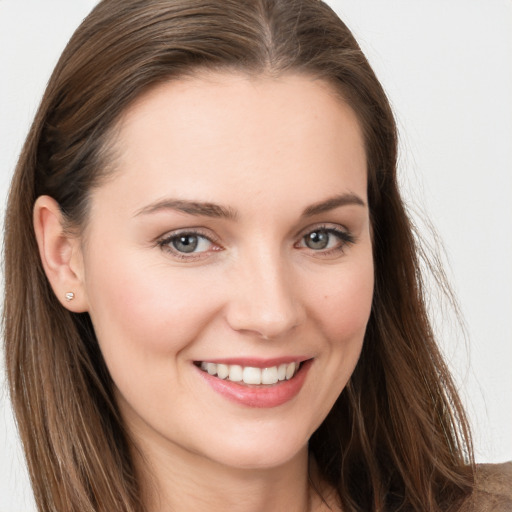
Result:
{"points": [[214, 298]]}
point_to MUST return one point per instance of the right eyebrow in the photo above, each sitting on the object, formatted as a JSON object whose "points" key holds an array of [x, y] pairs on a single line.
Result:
{"points": [[204, 209]]}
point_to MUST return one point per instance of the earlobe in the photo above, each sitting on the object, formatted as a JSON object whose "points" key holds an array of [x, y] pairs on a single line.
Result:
{"points": [[60, 254]]}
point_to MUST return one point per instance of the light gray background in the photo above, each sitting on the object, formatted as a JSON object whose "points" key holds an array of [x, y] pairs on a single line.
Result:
{"points": [[447, 68]]}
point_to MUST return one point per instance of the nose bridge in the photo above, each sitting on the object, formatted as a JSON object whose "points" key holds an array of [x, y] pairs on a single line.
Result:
{"points": [[265, 301]]}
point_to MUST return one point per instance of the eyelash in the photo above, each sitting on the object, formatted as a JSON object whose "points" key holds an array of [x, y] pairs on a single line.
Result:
{"points": [[344, 237], [166, 244]]}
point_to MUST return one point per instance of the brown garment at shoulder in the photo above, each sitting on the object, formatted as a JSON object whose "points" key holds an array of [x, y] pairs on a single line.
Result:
{"points": [[493, 489]]}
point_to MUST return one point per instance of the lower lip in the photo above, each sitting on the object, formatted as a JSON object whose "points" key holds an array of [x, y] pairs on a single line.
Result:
{"points": [[259, 396]]}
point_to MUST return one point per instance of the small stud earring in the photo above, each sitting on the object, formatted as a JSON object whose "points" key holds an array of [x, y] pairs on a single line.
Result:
{"points": [[70, 296]]}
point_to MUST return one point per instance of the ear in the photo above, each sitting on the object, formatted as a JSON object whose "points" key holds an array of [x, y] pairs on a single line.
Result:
{"points": [[61, 255]]}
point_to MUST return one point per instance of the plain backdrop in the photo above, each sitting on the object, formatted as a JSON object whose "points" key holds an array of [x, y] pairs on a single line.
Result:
{"points": [[447, 68]]}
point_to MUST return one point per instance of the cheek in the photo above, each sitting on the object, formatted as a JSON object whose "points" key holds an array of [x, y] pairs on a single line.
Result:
{"points": [[149, 313], [345, 302], [342, 306]]}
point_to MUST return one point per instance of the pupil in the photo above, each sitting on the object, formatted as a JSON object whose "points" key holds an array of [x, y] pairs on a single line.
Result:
{"points": [[317, 240], [186, 243]]}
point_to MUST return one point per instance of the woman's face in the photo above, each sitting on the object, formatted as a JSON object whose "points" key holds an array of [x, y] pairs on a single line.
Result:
{"points": [[231, 242]]}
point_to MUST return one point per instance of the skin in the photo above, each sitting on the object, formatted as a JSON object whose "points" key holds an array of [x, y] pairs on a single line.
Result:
{"points": [[266, 149]]}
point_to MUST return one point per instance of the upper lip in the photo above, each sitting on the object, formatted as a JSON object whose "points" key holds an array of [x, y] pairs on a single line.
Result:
{"points": [[256, 362]]}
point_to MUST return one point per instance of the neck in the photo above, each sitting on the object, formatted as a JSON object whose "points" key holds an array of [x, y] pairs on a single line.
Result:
{"points": [[174, 479]]}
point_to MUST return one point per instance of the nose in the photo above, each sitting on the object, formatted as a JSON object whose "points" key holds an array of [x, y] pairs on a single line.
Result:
{"points": [[265, 301]]}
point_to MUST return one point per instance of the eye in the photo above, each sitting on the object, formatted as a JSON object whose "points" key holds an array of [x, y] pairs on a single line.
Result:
{"points": [[187, 244], [326, 239], [318, 240]]}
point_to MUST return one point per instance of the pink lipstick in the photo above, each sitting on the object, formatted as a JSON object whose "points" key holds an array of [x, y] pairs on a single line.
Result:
{"points": [[256, 383]]}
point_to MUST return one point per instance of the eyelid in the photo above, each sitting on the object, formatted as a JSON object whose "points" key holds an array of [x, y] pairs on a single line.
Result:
{"points": [[164, 242], [346, 238], [324, 226]]}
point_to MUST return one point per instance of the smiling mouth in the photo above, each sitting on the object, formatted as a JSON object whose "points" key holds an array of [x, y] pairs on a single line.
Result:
{"points": [[249, 374]]}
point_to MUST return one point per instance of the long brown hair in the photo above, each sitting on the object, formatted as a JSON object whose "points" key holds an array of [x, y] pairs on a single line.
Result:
{"points": [[397, 437]]}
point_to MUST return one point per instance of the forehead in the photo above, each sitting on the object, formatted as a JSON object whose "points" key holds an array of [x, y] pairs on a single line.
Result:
{"points": [[227, 134]]}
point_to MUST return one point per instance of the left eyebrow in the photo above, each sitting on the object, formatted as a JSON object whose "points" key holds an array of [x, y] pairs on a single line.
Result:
{"points": [[332, 203]]}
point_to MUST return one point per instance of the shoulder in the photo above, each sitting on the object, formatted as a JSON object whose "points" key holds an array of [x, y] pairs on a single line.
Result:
{"points": [[493, 489]]}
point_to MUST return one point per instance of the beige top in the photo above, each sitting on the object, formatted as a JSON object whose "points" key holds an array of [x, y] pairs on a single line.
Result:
{"points": [[493, 490]]}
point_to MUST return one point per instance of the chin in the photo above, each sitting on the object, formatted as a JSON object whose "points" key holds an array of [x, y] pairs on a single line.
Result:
{"points": [[271, 448], [261, 459]]}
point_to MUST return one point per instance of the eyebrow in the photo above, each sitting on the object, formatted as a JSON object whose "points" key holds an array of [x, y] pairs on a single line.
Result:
{"points": [[214, 210], [204, 209], [332, 203]]}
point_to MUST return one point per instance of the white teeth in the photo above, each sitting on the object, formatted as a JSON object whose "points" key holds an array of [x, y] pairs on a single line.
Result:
{"points": [[250, 374], [290, 371], [222, 371], [269, 375], [235, 373]]}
